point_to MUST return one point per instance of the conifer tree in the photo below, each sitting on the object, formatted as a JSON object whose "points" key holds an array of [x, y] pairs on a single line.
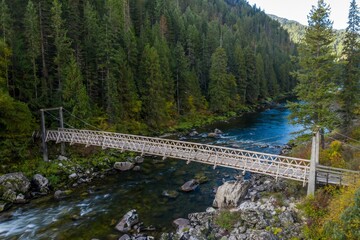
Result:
{"points": [[6, 33], [152, 90], [62, 43], [222, 84], [75, 98], [351, 86], [32, 33], [252, 80], [316, 89]]}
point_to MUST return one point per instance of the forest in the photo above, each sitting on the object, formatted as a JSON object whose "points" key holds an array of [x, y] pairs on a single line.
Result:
{"points": [[137, 65]]}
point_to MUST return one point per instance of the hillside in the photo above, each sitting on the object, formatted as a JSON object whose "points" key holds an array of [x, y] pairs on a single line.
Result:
{"points": [[137, 65], [297, 31]]}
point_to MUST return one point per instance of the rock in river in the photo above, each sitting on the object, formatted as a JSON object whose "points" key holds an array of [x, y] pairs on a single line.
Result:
{"points": [[123, 166], [170, 194], [128, 220], [189, 185], [231, 193]]}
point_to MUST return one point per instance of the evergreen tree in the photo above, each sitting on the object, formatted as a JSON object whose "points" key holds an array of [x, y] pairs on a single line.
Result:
{"points": [[222, 84], [252, 81], [263, 89], [241, 74], [15, 116], [351, 86], [75, 98], [6, 32], [32, 33], [62, 43], [152, 90], [315, 89]]}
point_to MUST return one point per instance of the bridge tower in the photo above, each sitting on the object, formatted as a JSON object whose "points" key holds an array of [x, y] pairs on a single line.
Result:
{"points": [[43, 131], [314, 161]]}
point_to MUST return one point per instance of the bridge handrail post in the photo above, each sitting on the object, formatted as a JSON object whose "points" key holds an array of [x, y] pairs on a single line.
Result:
{"points": [[313, 162], [43, 136], [61, 122]]}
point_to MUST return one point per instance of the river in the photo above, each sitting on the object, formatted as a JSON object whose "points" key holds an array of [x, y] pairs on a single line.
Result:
{"points": [[93, 210]]}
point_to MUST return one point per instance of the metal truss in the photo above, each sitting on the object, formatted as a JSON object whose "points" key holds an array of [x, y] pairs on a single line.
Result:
{"points": [[269, 164]]}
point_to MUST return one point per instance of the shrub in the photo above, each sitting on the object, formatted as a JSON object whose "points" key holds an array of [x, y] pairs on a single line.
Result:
{"points": [[227, 219]]}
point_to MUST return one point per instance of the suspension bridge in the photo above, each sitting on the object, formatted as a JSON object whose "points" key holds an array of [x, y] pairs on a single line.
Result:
{"points": [[307, 171]]}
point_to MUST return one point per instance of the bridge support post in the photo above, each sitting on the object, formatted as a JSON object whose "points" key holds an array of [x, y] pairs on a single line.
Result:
{"points": [[43, 136], [61, 116], [314, 160]]}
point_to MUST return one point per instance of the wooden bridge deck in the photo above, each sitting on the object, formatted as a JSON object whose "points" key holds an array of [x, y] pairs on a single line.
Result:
{"points": [[269, 164]]}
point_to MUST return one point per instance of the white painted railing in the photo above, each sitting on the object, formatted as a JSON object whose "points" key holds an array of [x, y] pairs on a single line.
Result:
{"points": [[269, 164]]}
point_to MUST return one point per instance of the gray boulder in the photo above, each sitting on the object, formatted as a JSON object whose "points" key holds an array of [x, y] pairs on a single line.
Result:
{"points": [[181, 224], [138, 159], [41, 183], [189, 185], [12, 184], [127, 221], [123, 166], [262, 235], [231, 193], [125, 237]]}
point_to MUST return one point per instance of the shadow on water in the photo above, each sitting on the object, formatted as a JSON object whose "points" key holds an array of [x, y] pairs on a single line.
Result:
{"points": [[92, 212]]}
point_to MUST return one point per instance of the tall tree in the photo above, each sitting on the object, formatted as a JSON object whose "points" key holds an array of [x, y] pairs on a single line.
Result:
{"points": [[316, 90], [74, 93], [32, 33], [222, 84], [351, 85], [62, 43], [6, 31], [152, 90]]}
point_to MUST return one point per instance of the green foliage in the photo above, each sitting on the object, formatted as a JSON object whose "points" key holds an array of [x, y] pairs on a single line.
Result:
{"points": [[316, 72], [227, 219], [349, 94], [221, 84], [315, 209], [78, 104], [332, 156], [141, 65]]}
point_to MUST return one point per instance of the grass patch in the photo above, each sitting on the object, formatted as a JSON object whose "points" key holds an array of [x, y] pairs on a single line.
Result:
{"points": [[227, 219]]}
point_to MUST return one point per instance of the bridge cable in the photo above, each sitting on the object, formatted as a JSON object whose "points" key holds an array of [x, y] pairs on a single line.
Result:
{"points": [[344, 143], [261, 140], [83, 121], [59, 120], [347, 136]]}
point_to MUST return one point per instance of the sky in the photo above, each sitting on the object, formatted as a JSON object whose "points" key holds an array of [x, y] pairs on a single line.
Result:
{"points": [[298, 10]]}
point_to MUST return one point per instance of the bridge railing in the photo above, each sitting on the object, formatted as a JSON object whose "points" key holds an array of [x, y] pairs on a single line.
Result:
{"points": [[274, 165], [331, 175], [270, 164]]}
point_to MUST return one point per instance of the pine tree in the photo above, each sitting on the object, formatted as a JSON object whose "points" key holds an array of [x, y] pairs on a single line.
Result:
{"points": [[32, 33], [351, 86], [6, 33], [75, 98], [222, 84], [241, 74], [316, 89], [62, 43], [152, 90], [252, 81]]}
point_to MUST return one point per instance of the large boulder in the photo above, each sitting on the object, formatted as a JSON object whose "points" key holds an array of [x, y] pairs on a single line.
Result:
{"points": [[40, 183], [127, 221], [231, 193], [12, 184], [123, 166]]}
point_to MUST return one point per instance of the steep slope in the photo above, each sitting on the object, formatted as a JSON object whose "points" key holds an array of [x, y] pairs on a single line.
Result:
{"points": [[297, 31]]}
